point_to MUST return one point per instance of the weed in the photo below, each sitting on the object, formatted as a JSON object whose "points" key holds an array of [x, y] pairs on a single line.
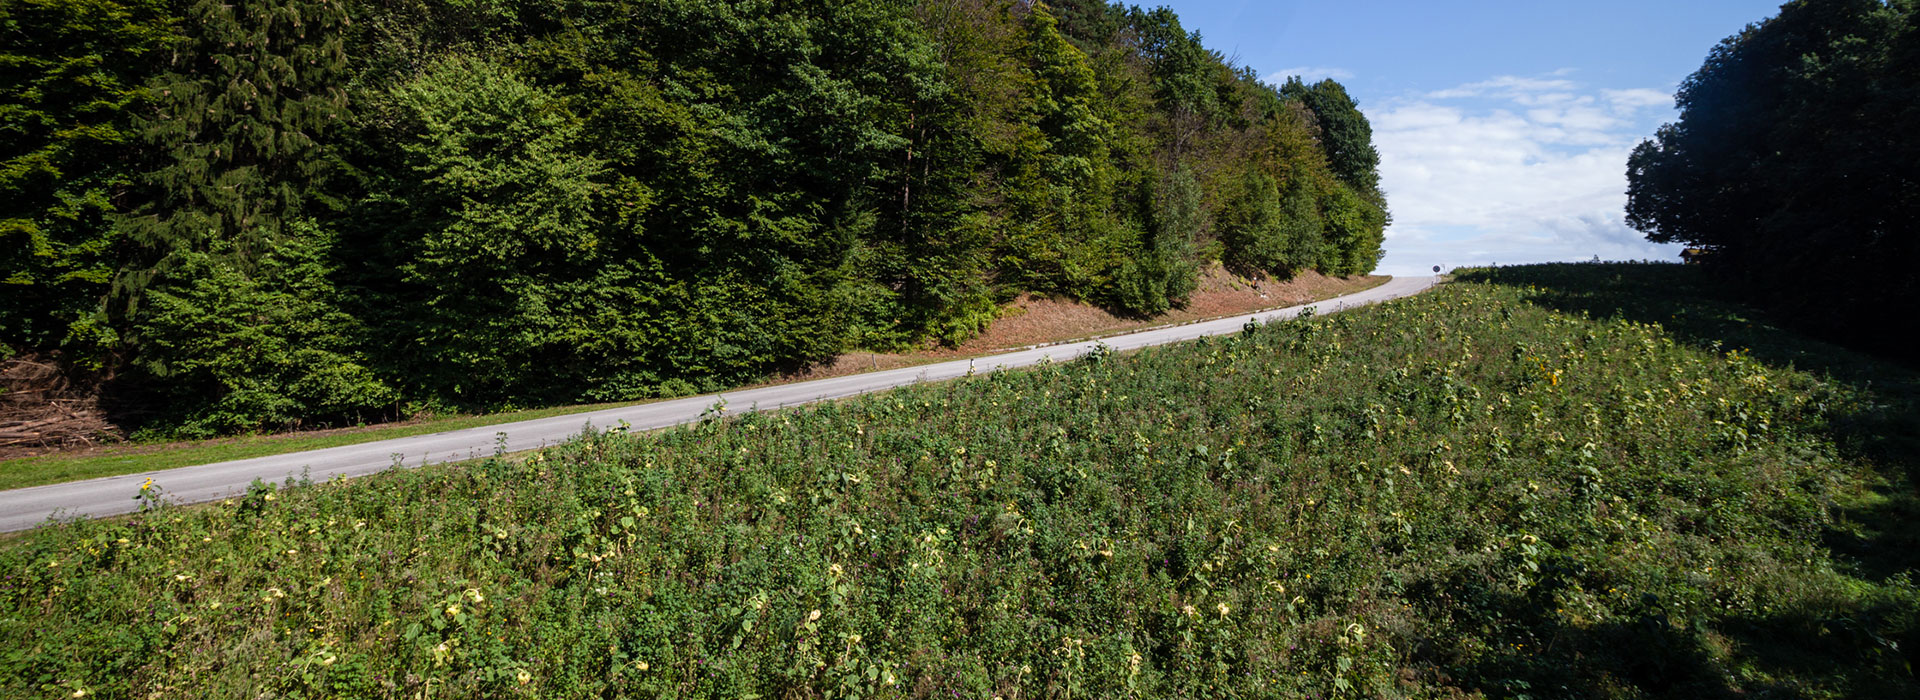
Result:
{"points": [[1515, 485]]}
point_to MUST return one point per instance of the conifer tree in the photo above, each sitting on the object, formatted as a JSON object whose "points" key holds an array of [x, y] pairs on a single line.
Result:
{"points": [[238, 129], [233, 170], [74, 75]]}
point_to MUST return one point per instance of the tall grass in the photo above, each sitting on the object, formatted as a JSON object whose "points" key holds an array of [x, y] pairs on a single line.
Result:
{"points": [[1515, 485]]}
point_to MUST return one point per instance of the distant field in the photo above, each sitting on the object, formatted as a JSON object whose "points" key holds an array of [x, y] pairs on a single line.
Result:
{"points": [[1549, 481]]}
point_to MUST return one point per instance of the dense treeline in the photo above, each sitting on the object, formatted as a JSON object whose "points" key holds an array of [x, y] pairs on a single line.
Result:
{"points": [[1795, 165], [261, 212]]}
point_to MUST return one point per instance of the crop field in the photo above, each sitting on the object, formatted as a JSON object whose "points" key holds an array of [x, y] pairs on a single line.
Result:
{"points": [[1551, 481]]}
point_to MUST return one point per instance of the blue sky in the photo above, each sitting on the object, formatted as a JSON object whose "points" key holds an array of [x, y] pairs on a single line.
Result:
{"points": [[1503, 127]]}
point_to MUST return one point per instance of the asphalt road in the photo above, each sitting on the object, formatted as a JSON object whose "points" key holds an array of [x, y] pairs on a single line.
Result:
{"points": [[21, 509]]}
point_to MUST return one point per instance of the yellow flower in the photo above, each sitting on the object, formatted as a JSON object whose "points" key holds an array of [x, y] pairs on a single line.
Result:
{"points": [[453, 609], [523, 676], [1223, 609], [815, 615]]}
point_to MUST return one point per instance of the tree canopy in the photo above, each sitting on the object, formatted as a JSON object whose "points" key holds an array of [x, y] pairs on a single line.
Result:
{"points": [[261, 213], [1795, 166]]}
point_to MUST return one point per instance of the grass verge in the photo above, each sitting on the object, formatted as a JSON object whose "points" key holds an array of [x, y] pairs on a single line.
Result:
{"points": [[133, 459], [1517, 484]]}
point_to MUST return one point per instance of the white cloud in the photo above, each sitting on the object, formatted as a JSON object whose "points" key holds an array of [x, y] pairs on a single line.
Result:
{"points": [[1308, 74], [1510, 170], [1506, 85], [1639, 98]]}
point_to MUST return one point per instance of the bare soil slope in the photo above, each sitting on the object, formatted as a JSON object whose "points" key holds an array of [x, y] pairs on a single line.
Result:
{"points": [[1029, 320]]}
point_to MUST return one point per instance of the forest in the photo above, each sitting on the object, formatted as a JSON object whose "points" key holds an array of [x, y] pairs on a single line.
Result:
{"points": [[239, 215], [1795, 168]]}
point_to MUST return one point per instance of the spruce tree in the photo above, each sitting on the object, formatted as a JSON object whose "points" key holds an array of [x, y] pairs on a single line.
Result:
{"points": [[75, 72], [235, 163], [238, 129]]}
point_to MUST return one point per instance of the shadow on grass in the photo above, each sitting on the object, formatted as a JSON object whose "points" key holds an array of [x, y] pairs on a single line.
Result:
{"points": [[1885, 429], [1875, 539], [1839, 650], [1695, 309]]}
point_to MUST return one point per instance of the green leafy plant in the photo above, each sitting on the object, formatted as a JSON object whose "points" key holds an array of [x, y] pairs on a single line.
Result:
{"points": [[1393, 501]]}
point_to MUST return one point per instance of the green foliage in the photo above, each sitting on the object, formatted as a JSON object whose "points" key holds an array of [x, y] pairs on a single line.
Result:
{"points": [[236, 153], [1089, 24], [238, 131], [1069, 236], [531, 202], [1185, 73], [1267, 230], [1165, 269], [71, 79], [1793, 165], [1344, 134], [498, 227], [768, 139], [1543, 480], [1355, 228], [924, 271], [265, 346]]}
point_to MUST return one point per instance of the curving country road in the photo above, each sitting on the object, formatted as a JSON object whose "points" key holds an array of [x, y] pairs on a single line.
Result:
{"points": [[24, 508]]}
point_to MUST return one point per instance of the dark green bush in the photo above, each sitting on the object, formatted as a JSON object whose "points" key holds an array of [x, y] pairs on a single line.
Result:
{"points": [[237, 349]]}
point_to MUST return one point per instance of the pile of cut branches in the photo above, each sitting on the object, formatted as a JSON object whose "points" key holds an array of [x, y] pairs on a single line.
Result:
{"points": [[42, 407]]}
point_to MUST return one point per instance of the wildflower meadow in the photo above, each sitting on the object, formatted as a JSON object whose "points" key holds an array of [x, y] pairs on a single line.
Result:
{"points": [[1589, 481]]}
